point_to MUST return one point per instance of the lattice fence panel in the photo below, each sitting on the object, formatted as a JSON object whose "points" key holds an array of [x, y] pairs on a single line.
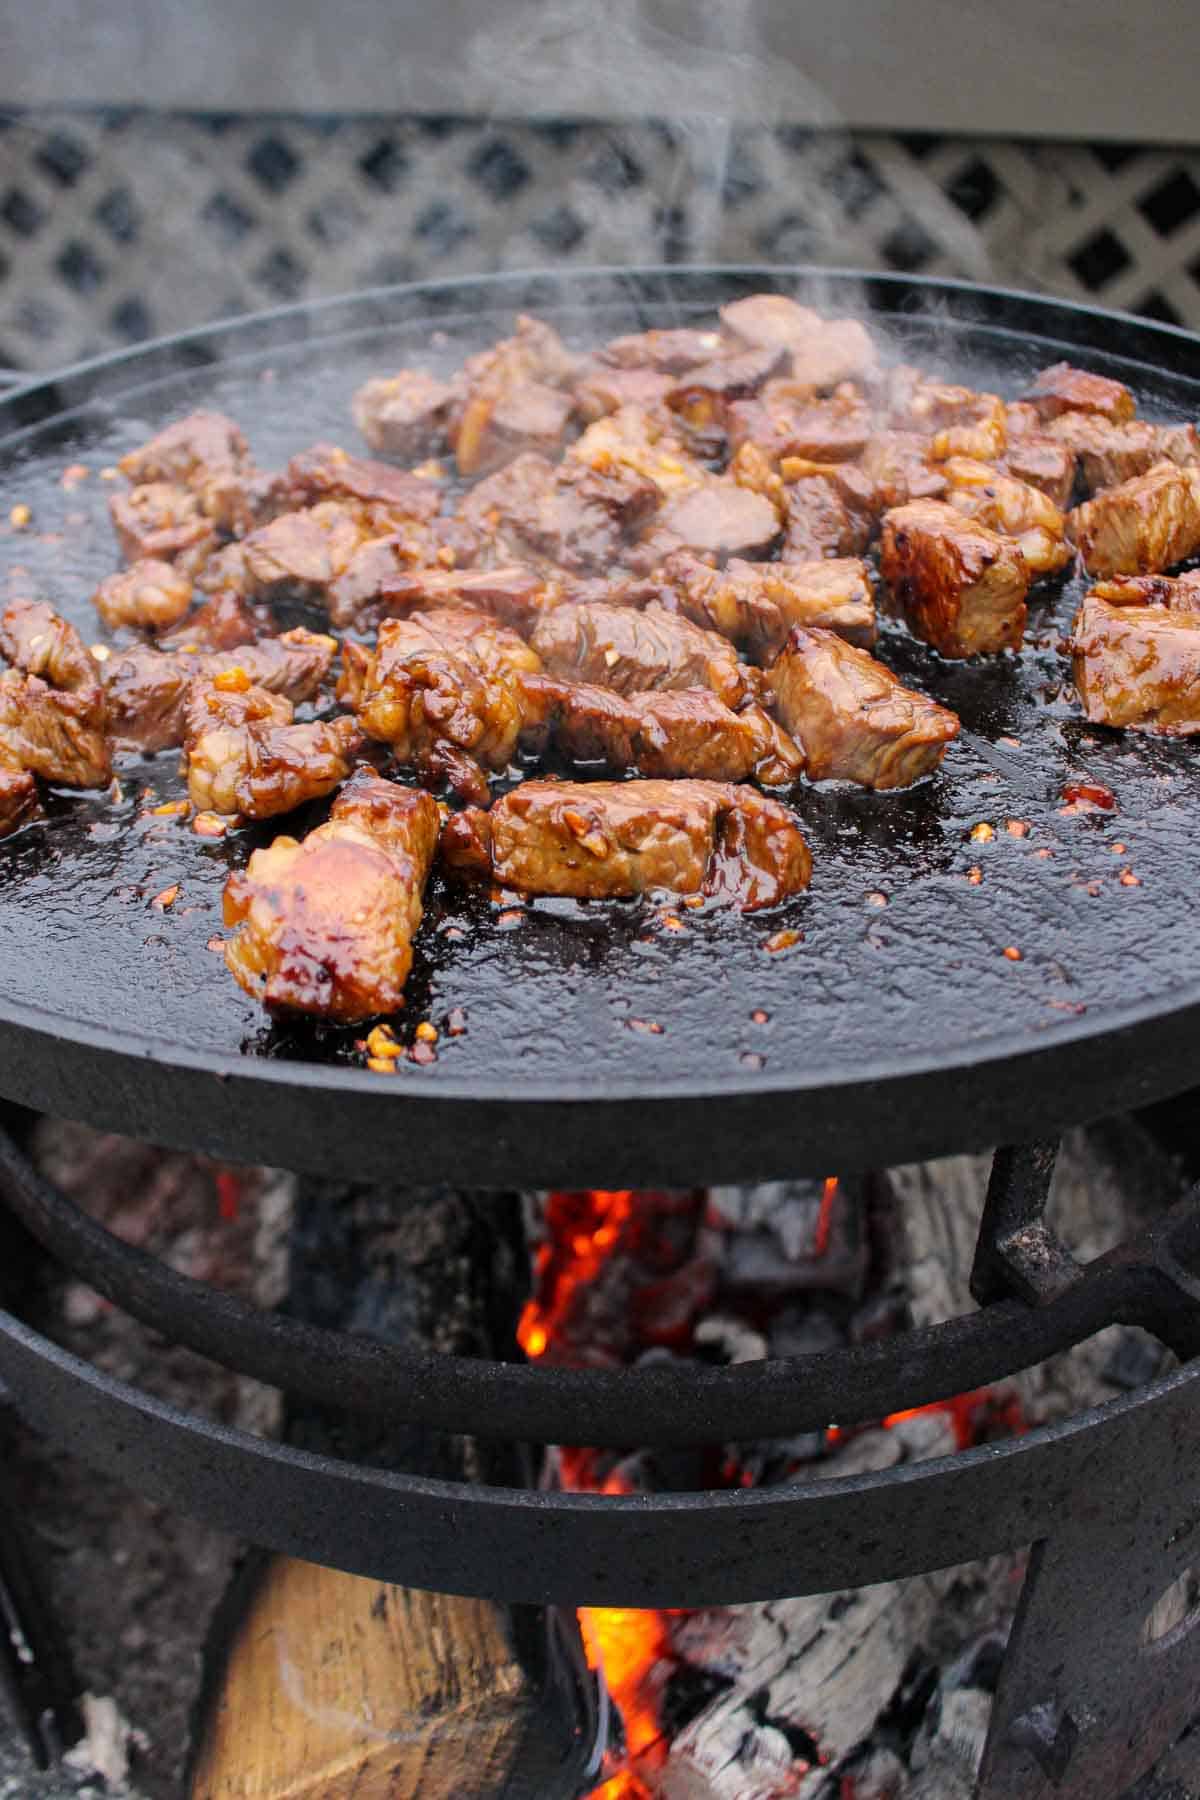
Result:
{"points": [[114, 228]]}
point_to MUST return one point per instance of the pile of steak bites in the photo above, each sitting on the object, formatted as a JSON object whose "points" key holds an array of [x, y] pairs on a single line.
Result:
{"points": [[649, 559]]}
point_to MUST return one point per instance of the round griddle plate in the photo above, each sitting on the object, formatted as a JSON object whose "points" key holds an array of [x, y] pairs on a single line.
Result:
{"points": [[627, 1042]]}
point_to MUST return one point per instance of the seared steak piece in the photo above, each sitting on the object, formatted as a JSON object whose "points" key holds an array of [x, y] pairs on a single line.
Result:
{"points": [[1143, 526], [206, 454], [716, 518], [701, 395], [838, 350], [147, 596], [1112, 453], [148, 689], [601, 390], [404, 415], [326, 925], [960, 586], [611, 840], [669, 352], [1178, 593], [647, 443], [819, 521], [898, 466], [441, 689], [1043, 462], [327, 472], [514, 594], [853, 719], [244, 754], [576, 516], [18, 793], [512, 398], [765, 320], [221, 623], [1013, 508], [957, 421], [1063, 389], [52, 710], [1138, 667], [165, 522], [755, 605], [787, 421], [688, 732], [629, 651]]}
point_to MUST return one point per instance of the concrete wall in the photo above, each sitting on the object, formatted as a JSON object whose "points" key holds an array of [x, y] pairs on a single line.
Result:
{"points": [[1082, 68]]}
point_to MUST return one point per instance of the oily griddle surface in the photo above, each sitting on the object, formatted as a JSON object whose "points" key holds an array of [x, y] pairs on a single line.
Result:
{"points": [[900, 956]]}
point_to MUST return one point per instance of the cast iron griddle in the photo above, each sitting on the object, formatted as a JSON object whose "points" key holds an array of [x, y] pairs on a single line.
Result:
{"points": [[602, 1046]]}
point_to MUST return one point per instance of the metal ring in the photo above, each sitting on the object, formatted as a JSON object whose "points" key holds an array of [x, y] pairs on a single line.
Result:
{"points": [[660, 1550], [669, 1404]]}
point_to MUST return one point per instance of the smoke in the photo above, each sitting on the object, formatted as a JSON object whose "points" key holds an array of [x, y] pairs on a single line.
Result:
{"points": [[698, 69]]}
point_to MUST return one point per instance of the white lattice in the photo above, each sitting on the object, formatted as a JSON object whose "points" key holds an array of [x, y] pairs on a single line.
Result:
{"points": [[112, 229]]}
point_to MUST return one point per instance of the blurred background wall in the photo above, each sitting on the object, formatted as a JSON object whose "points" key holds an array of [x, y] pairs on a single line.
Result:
{"points": [[162, 165]]}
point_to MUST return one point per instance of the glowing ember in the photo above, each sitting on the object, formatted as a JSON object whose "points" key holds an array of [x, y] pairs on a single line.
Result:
{"points": [[583, 1230]]}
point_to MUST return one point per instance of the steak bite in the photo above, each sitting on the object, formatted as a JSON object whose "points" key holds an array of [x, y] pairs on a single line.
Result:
{"points": [[326, 925], [684, 733], [1043, 462], [514, 594], [441, 689], [512, 398], [1064, 389], [1013, 508], [148, 596], [897, 465], [644, 442], [960, 586], [629, 651], [668, 352], [1178, 593], [245, 755], [1111, 453], [52, 706], [206, 454], [405, 415], [825, 516], [853, 719], [601, 389], [612, 840], [1137, 667], [148, 690], [327, 472], [755, 605], [838, 350], [18, 792], [787, 421], [767, 320], [165, 522], [701, 395], [1143, 526], [717, 518], [575, 515]]}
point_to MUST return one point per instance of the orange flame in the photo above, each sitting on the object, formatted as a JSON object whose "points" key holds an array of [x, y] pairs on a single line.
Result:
{"points": [[584, 1229]]}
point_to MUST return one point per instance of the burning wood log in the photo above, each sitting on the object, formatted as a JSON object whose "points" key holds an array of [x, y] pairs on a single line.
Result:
{"points": [[329, 1685]]}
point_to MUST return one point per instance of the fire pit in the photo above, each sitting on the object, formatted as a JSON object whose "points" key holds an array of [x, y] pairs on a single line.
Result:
{"points": [[1108, 1499]]}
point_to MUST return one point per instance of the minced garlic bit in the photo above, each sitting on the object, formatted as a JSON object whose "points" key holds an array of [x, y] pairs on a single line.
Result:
{"points": [[99, 653], [1119, 849], [210, 825], [1129, 879], [983, 833], [877, 899], [232, 681], [1018, 828], [427, 1032], [422, 1052], [975, 875], [167, 898], [693, 900], [783, 940], [673, 922], [110, 474], [73, 474], [20, 516], [1012, 953], [168, 808], [381, 1065], [382, 1043]]}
